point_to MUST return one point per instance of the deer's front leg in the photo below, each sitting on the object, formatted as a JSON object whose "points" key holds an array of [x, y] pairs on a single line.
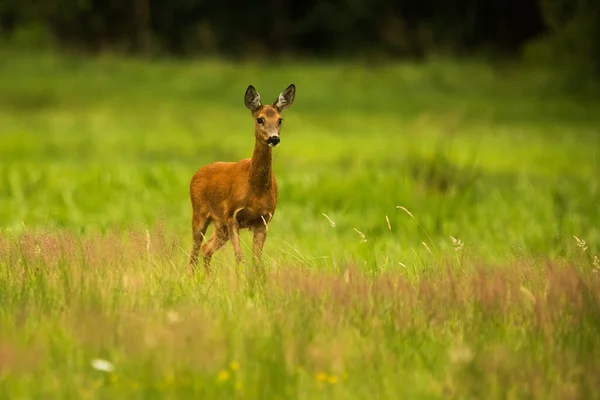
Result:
{"points": [[260, 235], [234, 236]]}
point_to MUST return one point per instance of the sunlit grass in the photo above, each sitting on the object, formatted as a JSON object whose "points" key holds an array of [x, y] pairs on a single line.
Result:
{"points": [[437, 233], [114, 315]]}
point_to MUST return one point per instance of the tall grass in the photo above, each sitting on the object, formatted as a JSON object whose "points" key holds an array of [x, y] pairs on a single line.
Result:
{"points": [[523, 329]]}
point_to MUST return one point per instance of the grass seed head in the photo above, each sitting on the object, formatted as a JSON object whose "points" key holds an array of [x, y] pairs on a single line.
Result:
{"points": [[406, 211], [331, 222], [581, 243], [427, 247], [457, 243], [363, 239]]}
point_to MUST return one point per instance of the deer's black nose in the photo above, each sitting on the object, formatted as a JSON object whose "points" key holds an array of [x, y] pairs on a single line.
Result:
{"points": [[273, 141]]}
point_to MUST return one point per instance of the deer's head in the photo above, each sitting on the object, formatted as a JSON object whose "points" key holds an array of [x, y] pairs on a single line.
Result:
{"points": [[267, 118]]}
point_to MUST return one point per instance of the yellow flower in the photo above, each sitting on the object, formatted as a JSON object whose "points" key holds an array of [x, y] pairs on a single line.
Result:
{"points": [[321, 377], [238, 386], [332, 379], [234, 365], [223, 376]]}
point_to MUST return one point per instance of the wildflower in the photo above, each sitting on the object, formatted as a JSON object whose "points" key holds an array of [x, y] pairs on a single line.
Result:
{"points": [[332, 379], [102, 365], [321, 377], [234, 366], [223, 376]]}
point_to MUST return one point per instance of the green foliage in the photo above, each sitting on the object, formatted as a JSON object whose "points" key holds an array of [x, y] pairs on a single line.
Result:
{"points": [[475, 288], [572, 42], [472, 152], [369, 28], [33, 36]]}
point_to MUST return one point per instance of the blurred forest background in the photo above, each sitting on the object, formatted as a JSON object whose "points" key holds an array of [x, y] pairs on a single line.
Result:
{"points": [[562, 33]]}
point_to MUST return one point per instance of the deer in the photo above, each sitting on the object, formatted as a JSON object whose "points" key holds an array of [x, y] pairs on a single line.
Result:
{"points": [[243, 194]]}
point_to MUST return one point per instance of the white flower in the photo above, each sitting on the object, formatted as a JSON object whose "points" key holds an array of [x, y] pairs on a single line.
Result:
{"points": [[102, 365]]}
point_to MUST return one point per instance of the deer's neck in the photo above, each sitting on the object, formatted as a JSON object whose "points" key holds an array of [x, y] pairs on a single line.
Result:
{"points": [[261, 168]]}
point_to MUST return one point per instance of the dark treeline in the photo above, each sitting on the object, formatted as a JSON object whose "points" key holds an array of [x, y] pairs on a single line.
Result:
{"points": [[397, 28]]}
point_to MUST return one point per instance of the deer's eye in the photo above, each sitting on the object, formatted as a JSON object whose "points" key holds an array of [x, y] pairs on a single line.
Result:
{"points": [[280, 121], [260, 120]]}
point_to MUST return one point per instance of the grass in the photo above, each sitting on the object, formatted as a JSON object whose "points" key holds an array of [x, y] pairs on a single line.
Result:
{"points": [[423, 244]]}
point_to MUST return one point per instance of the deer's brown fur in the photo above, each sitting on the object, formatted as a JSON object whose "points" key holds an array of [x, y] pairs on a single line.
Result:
{"points": [[243, 194]]}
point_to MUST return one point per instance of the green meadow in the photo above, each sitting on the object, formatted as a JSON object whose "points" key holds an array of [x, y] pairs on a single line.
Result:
{"points": [[437, 232]]}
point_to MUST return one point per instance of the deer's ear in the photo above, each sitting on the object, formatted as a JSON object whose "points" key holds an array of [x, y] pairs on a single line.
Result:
{"points": [[286, 98], [252, 99]]}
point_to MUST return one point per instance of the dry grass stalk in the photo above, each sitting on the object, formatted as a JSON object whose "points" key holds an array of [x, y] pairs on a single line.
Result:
{"points": [[427, 247], [406, 211], [331, 222], [457, 243], [363, 239], [581, 243]]}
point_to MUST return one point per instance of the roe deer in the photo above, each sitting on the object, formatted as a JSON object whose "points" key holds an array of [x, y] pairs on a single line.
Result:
{"points": [[243, 194]]}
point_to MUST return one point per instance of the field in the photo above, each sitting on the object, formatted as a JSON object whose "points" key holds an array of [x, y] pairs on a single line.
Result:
{"points": [[437, 233]]}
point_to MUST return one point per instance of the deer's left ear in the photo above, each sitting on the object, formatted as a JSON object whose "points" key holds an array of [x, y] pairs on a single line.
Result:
{"points": [[286, 98]]}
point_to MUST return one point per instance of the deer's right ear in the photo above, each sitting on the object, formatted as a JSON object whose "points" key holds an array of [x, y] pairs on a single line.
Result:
{"points": [[252, 99]]}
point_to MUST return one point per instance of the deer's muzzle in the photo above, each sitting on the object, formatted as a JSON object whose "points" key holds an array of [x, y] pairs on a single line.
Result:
{"points": [[273, 141]]}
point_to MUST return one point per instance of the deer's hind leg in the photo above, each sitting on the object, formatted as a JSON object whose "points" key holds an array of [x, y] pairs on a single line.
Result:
{"points": [[199, 225], [216, 241]]}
